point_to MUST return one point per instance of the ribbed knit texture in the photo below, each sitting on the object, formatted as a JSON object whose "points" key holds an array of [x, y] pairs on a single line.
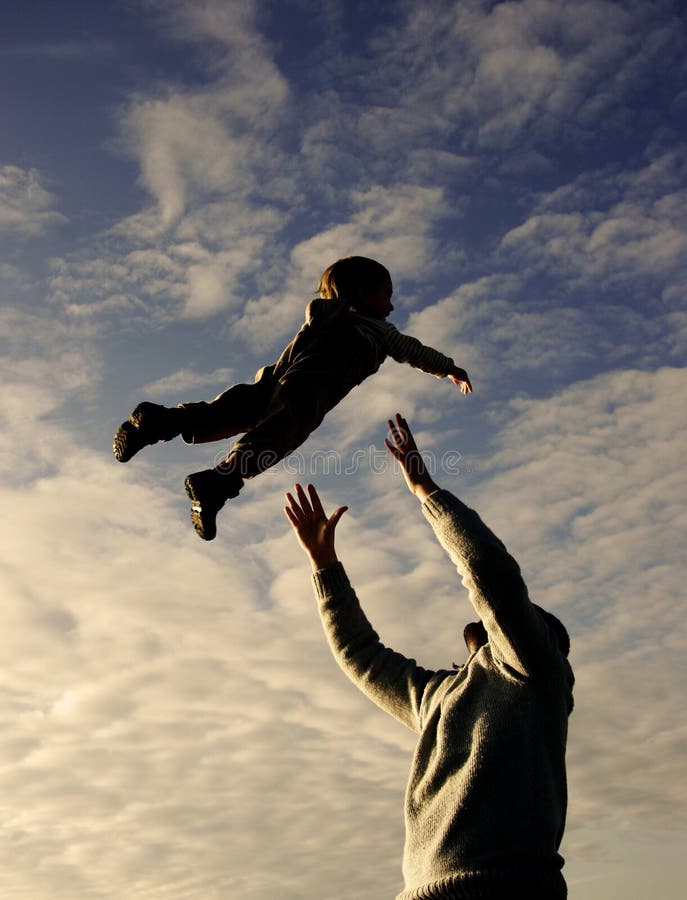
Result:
{"points": [[404, 348], [486, 798]]}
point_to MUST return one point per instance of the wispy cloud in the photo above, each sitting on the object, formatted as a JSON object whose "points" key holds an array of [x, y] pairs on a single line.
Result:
{"points": [[87, 50], [26, 206], [511, 74], [184, 381], [640, 234]]}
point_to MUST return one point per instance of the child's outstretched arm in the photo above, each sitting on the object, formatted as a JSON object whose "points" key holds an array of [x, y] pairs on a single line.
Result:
{"points": [[407, 349]]}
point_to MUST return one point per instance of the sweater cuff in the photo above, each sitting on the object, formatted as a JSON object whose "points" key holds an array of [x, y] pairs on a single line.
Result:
{"points": [[330, 580], [438, 504]]}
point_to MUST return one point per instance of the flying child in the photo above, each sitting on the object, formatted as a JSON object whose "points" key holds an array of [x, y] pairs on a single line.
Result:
{"points": [[344, 339]]}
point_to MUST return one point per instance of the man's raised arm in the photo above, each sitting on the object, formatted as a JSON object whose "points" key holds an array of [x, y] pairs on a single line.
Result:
{"points": [[516, 631], [392, 681]]}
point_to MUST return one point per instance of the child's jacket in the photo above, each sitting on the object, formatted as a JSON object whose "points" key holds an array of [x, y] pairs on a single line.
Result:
{"points": [[339, 349]]}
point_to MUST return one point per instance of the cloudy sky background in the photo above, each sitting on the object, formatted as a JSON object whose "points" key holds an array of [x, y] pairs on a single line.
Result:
{"points": [[174, 176]]}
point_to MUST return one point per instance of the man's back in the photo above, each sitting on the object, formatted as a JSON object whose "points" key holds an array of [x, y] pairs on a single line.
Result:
{"points": [[487, 787]]}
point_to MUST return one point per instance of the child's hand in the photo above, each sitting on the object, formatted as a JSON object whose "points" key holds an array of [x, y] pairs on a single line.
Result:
{"points": [[460, 377], [403, 448], [315, 532]]}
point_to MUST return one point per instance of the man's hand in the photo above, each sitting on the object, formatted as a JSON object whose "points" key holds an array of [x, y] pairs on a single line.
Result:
{"points": [[460, 377], [403, 448], [315, 532]]}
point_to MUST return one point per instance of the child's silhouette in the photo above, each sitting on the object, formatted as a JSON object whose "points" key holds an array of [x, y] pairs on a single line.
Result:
{"points": [[344, 339]]}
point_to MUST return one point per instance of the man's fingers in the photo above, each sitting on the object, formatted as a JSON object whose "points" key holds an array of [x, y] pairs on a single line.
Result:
{"points": [[336, 515], [317, 507], [392, 448], [400, 434], [293, 504], [303, 499], [291, 516], [396, 431]]}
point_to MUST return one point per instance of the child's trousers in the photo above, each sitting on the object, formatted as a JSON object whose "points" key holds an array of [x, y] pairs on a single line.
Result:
{"points": [[276, 418]]}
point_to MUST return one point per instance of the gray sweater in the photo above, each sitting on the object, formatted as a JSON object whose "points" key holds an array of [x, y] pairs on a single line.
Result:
{"points": [[486, 798]]}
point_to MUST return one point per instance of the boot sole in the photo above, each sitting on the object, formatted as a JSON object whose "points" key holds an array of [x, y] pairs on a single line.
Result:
{"points": [[202, 518], [127, 442], [142, 429]]}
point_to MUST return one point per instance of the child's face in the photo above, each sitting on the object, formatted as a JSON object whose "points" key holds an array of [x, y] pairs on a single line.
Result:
{"points": [[376, 302]]}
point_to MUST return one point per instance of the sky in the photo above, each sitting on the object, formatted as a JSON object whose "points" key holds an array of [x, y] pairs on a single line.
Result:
{"points": [[174, 177]]}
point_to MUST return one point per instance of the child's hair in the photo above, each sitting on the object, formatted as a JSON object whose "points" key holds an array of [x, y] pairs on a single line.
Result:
{"points": [[344, 278]]}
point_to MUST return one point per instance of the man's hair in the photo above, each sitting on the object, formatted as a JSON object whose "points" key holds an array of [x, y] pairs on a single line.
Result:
{"points": [[344, 278], [558, 629], [553, 623]]}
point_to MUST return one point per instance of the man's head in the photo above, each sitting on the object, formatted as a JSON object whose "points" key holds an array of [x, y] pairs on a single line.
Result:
{"points": [[475, 634], [363, 282]]}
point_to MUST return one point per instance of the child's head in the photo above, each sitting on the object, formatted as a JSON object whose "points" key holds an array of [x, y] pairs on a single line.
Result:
{"points": [[364, 283]]}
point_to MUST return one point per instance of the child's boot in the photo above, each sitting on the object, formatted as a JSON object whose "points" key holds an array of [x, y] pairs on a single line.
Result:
{"points": [[208, 491], [147, 424]]}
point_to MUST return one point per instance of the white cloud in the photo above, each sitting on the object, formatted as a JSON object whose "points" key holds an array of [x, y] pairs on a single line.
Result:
{"points": [[47, 363], [191, 253], [186, 381], [235, 115], [12, 281], [617, 241], [391, 225], [511, 74], [165, 281], [104, 283], [26, 206], [178, 169], [628, 241]]}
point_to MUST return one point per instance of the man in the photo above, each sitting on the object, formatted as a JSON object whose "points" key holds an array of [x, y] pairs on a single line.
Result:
{"points": [[486, 798]]}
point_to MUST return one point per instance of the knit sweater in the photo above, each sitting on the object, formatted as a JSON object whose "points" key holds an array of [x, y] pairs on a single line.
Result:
{"points": [[486, 798]]}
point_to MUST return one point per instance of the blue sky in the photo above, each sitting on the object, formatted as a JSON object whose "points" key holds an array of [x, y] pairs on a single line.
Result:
{"points": [[174, 177]]}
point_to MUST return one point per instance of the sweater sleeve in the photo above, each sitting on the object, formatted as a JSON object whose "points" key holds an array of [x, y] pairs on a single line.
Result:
{"points": [[395, 683], [518, 634], [406, 349]]}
